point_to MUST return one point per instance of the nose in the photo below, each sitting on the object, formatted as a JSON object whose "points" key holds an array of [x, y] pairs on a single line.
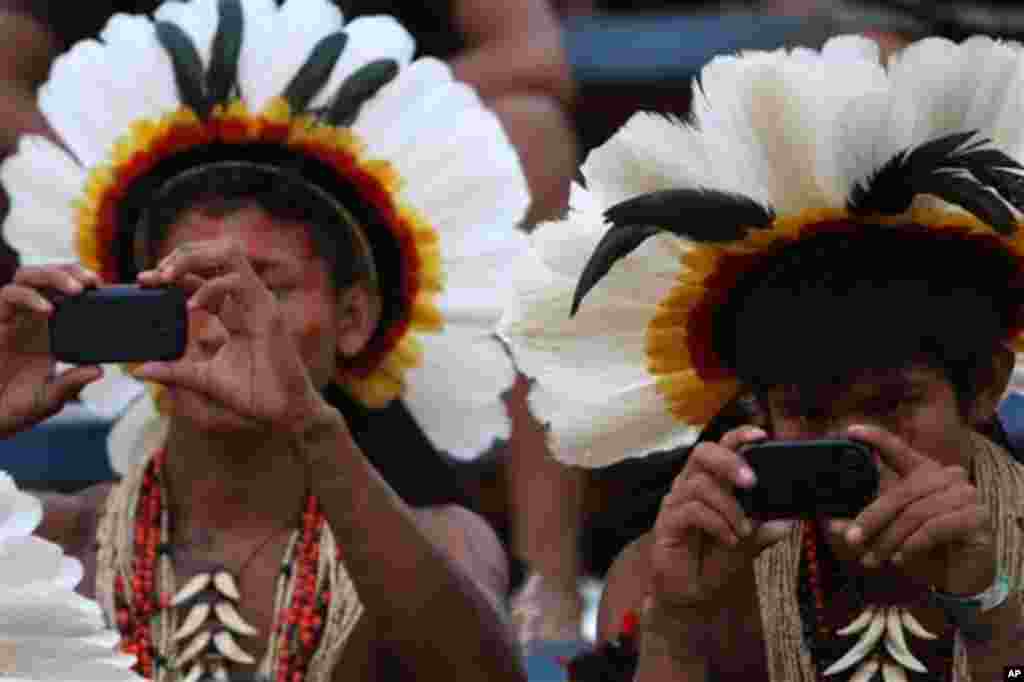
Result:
{"points": [[206, 333]]}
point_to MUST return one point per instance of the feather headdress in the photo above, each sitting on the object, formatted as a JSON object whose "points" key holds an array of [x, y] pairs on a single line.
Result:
{"points": [[435, 187], [617, 304]]}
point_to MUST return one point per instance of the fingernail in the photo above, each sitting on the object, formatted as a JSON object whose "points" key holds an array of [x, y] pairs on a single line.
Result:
{"points": [[854, 534], [897, 558], [747, 477], [870, 560], [746, 528]]}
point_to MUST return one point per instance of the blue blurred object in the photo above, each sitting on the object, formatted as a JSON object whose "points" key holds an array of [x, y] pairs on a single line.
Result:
{"points": [[542, 659], [65, 453]]}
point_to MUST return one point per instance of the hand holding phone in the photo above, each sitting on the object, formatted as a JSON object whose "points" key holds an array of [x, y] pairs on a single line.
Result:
{"points": [[808, 479], [124, 323], [31, 388]]}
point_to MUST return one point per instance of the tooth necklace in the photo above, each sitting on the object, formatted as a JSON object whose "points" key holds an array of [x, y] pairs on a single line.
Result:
{"points": [[881, 646], [209, 640]]}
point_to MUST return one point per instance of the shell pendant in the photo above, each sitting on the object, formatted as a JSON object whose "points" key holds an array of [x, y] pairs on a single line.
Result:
{"points": [[881, 628]]}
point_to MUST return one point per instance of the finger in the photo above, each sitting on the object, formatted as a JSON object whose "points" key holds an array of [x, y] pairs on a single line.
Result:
{"points": [[85, 276], [184, 373], [67, 385], [771, 532], [722, 463], [892, 450], [890, 504], [211, 295], [709, 490], [951, 527], [743, 435], [206, 258], [49, 277], [15, 299], [673, 523], [215, 259], [890, 540]]}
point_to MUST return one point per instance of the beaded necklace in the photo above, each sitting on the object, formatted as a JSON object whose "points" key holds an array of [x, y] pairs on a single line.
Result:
{"points": [[828, 646], [147, 613]]}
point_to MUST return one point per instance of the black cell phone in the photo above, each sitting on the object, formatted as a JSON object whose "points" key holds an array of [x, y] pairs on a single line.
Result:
{"points": [[809, 478], [122, 323]]}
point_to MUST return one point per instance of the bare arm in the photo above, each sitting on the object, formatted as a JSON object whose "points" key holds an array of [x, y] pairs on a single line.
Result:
{"points": [[512, 47], [627, 589], [516, 61], [68, 519], [409, 584], [27, 48]]}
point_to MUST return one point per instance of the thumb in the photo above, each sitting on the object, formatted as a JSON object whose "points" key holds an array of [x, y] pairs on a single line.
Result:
{"points": [[771, 532], [183, 374]]}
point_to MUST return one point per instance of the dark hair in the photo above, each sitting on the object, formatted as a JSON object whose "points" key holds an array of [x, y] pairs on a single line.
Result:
{"points": [[824, 310], [224, 189]]}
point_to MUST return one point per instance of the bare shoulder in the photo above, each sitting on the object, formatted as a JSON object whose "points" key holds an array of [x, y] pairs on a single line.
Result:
{"points": [[70, 520], [626, 585], [470, 542]]}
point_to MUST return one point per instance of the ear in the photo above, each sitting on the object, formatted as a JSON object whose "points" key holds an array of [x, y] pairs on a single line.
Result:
{"points": [[992, 383], [359, 309]]}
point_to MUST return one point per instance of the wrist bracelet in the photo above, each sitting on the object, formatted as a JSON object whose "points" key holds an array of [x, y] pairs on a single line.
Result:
{"points": [[963, 611]]}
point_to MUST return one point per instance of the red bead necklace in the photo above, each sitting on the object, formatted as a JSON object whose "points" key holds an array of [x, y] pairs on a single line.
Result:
{"points": [[299, 622]]}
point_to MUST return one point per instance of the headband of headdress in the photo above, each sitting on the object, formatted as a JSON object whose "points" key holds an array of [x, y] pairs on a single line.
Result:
{"points": [[783, 146], [396, 157]]}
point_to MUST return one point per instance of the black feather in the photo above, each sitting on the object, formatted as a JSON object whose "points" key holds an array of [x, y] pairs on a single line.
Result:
{"points": [[358, 88], [313, 75], [188, 67], [700, 215], [227, 46], [972, 196], [969, 174]]}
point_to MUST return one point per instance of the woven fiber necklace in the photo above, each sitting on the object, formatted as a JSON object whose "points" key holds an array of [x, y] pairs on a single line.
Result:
{"points": [[195, 632]]}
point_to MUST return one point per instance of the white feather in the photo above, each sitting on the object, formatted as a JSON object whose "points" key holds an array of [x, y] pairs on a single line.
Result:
{"points": [[143, 69], [591, 353], [30, 562], [369, 38], [425, 91], [20, 512], [477, 288], [464, 175], [455, 395], [929, 73], [649, 153], [280, 46], [1006, 129], [198, 18], [67, 101], [258, 33], [630, 422], [139, 431], [112, 393], [994, 68], [43, 182]]}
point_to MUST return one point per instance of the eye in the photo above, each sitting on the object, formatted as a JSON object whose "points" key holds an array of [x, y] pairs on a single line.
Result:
{"points": [[890, 404]]}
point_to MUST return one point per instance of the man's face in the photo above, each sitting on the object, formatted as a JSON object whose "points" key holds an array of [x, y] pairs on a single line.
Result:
{"points": [[919, 405], [283, 255]]}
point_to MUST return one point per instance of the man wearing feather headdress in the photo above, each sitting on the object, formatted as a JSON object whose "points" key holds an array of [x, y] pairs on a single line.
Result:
{"points": [[511, 53], [843, 242], [309, 185]]}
